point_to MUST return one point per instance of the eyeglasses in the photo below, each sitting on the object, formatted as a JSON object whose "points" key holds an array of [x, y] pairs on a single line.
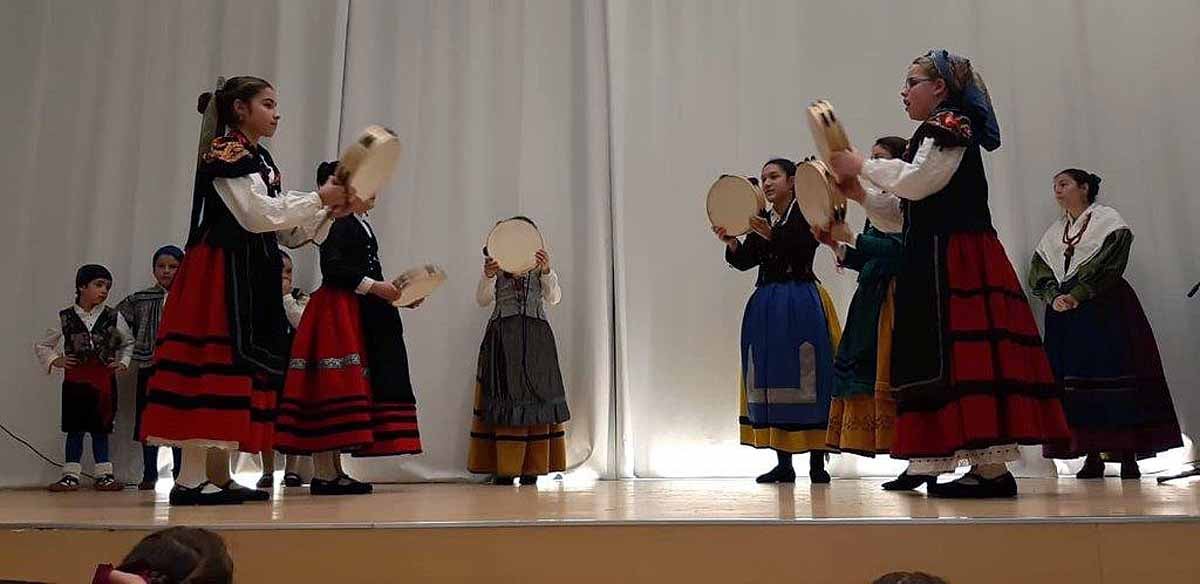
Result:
{"points": [[912, 82]]}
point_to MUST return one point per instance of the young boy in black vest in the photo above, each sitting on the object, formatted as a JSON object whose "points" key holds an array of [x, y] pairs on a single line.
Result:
{"points": [[91, 343]]}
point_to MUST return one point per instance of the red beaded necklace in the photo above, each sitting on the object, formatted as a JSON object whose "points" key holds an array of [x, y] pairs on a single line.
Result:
{"points": [[1073, 240]]}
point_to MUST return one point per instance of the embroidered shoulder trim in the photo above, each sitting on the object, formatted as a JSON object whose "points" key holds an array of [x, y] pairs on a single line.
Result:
{"points": [[951, 127], [226, 149]]}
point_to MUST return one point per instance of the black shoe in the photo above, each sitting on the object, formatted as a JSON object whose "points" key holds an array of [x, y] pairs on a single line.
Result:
{"points": [[265, 482], [817, 474], [181, 495], [250, 495], [528, 479], [973, 486], [291, 479], [1093, 468], [66, 484], [108, 483], [907, 482], [1130, 471], [778, 474], [343, 485], [502, 481]]}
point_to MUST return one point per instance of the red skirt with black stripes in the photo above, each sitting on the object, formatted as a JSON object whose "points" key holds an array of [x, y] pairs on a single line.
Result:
{"points": [[199, 393], [990, 382], [328, 401]]}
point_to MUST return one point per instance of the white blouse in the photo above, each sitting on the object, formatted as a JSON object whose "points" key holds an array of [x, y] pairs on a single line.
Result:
{"points": [[882, 208], [364, 285], [485, 294], [296, 218], [929, 172], [294, 308]]}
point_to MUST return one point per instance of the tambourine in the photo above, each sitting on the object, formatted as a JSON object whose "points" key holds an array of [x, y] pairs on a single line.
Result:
{"points": [[514, 244], [732, 201], [818, 195], [418, 283], [368, 163], [827, 132]]}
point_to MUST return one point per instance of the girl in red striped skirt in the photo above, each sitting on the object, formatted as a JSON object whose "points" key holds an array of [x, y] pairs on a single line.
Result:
{"points": [[348, 387], [221, 344], [971, 378]]}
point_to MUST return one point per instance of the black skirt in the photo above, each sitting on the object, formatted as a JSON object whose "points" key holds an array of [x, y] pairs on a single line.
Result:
{"points": [[1116, 398], [387, 357]]}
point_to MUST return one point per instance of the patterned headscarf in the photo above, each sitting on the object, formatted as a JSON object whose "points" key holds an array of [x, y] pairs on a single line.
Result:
{"points": [[973, 99]]}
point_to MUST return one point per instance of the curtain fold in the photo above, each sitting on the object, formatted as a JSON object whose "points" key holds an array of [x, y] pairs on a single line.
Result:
{"points": [[604, 121]]}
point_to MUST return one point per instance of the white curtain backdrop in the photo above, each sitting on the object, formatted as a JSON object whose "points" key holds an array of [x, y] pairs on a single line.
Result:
{"points": [[100, 106], [502, 108], [706, 87], [604, 121]]}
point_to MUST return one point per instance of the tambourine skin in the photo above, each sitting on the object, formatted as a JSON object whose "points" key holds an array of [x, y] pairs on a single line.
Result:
{"points": [[828, 135], [369, 162], [818, 195], [418, 283], [732, 200], [514, 244]]}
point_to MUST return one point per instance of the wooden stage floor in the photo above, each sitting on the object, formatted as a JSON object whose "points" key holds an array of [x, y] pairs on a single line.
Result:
{"points": [[698, 529]]}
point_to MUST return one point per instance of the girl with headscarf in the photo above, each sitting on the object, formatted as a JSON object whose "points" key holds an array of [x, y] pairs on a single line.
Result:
{"points": [[971, 378]]}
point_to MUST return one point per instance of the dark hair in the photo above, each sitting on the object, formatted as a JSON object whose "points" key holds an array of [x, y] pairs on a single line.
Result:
{"points": [[243, 88], [523, 218], [788, 167], [88, 273], [180, 555], [1083, 177], [167, 250], [895, 145], [326, 170], [909, 578]]}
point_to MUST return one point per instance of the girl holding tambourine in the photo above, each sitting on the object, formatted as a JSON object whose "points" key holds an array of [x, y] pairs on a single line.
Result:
{"points": [[348, 387], [789, 332], [517, 429]]}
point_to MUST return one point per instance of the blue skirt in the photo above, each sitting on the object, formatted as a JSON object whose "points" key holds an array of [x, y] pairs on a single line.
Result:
{"points": [[787, 358]]}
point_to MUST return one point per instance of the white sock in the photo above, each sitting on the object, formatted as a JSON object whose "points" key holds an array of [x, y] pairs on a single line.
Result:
{"points": [[267, 461], [325, 465], [218, 466], [192, 467], [103, 468], [72, 469]]}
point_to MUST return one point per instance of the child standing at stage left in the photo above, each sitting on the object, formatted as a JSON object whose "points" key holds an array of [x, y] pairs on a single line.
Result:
{"points": [[91, 343]]}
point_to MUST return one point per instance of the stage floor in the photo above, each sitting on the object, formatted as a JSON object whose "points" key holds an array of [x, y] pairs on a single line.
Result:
{"points": [[635, 532], [611, 503]]}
